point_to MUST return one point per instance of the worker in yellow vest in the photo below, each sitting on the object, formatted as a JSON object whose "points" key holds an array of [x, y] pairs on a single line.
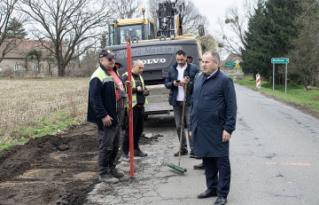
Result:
{"points": [[106, 93], [139, 93]]}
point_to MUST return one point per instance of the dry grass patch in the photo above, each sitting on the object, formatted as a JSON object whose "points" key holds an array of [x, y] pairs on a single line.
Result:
{"points": [[28, 104]]}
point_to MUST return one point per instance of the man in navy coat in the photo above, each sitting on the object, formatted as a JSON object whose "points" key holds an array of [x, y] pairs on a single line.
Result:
{"points": [[213, 119]]}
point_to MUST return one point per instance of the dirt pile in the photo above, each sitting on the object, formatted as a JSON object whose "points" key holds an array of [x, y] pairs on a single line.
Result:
{"points": [[50, 170]]}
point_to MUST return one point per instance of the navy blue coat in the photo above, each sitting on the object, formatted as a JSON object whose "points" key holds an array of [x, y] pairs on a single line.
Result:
{"points": [[190, 71], [213, 110], [102, 102]]}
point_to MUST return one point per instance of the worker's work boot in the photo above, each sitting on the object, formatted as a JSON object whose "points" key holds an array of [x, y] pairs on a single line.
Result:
{"points": [[108, 178], [116, 173], [183, 152], [199, 166], [139, 153]]}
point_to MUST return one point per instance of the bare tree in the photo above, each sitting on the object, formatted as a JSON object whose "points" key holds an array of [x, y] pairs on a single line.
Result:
{"points": [[207, 43], [191, 18], [88, 62], [152, 11], [232, 31], [7, 8], [36, 55], [103, 40], [64, 26], [123, 9], [234, 26]]}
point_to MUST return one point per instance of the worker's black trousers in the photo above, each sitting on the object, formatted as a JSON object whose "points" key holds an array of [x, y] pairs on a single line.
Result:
{"points": [[217, 171], [138, 126], [109, 138]]}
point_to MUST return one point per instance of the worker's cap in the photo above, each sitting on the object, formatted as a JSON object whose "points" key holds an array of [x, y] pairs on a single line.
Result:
{"points": [[106, 53]]}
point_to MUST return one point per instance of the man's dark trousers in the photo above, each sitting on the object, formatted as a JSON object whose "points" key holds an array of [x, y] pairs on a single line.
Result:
{"points": [[138, 121], [121, 115], [178, 109], [138, 124], [217, 171], [108, 148]]}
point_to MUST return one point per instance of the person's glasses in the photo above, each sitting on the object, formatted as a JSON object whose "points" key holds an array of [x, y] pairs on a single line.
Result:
{"points": [[111, 59]]}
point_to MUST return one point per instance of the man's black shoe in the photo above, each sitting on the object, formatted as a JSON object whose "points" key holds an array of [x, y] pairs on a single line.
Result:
{"points": [[192, 155], [139, 153], [116, 173], [199, 166], [183, 152], [108, 178], [207, 193], [220, 201]]}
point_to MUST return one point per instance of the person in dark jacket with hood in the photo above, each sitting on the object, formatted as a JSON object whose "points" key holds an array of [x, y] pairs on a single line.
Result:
{"points": [[213, 120], [181, 76], [106, 93]]}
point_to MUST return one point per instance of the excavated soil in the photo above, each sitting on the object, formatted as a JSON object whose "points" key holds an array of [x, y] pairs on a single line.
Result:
{"points": [[59, 169], [50, 170]]}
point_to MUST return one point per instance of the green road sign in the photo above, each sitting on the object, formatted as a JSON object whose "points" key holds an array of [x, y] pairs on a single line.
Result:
{"points": [[275, 61], [279, 60], [230, 64]]}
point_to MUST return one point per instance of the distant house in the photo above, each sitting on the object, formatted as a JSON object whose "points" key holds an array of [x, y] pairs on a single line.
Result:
{"points": [[27, 57], [232, 59]]}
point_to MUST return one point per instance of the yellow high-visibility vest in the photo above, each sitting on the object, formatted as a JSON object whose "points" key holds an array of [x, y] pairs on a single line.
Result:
{"points": [[134, 98], [101, 75]]}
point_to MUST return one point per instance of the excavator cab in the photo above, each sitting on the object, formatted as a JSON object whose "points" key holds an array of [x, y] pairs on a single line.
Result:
{"points": [[169, 25], [138, 29], [156, 47]]}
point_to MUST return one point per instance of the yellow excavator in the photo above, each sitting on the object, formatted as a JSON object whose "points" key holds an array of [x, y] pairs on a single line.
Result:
{"points": [[156, 47]]}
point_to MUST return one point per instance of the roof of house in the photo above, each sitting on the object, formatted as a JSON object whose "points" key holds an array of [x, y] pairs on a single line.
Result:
{"points": [[23, 47], [233, 57]]}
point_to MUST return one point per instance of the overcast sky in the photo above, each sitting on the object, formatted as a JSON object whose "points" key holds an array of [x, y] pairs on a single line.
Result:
{"points": [[215, 10]]}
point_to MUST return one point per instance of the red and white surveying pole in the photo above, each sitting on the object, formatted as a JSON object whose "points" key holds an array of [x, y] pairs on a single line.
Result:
{"points": [[130, 110]]}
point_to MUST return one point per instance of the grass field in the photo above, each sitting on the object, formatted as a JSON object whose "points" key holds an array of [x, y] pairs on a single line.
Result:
{"points": [[37, 107], [296, 94]]}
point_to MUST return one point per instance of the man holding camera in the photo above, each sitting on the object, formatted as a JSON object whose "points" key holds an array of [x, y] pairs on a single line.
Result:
{"points": [[180, 82]]}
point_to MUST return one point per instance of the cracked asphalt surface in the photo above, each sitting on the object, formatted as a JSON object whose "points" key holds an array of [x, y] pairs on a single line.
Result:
{"points": [[274, 156], [154, 182]]}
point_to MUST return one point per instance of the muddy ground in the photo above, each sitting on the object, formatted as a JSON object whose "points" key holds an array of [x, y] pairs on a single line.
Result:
{"points": [[52, 170]]}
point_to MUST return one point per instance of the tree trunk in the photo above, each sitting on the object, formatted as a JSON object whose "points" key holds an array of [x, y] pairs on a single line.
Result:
{"points": [[305, 83], [38, 64], [26, 66], [49, 69], [61, 66], [61, 70]]}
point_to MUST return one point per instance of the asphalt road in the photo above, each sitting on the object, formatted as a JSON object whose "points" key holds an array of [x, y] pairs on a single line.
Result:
{"points": [[274, 158]]}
